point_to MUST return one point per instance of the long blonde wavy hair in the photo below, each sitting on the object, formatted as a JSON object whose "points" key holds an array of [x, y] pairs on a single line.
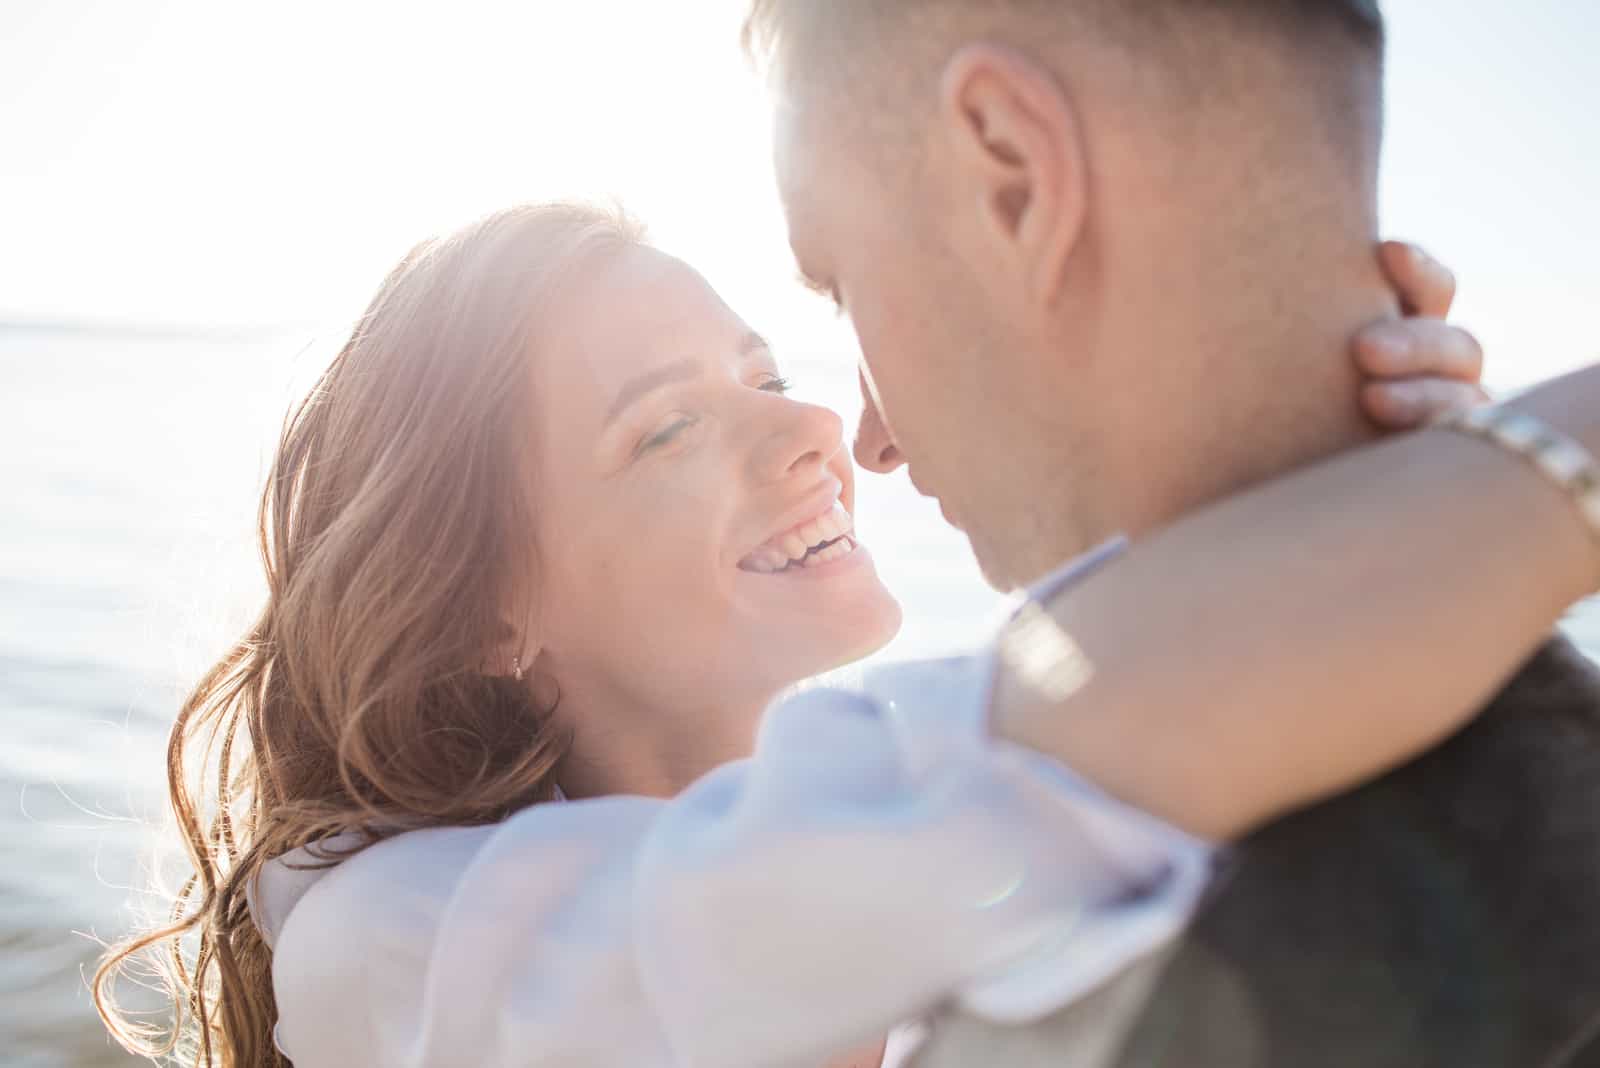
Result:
{"points": [[395, 535]]}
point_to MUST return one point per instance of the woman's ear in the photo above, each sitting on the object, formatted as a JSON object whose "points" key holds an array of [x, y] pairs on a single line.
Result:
{"points": [[516, 650], [1018, 147]]}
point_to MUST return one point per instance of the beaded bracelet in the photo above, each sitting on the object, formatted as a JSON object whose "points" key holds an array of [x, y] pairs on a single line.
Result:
{"points": [[1558, 457]]}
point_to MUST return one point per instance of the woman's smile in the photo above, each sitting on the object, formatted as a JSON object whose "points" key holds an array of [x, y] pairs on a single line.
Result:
{"points": [[835, 558], [824, 535]]}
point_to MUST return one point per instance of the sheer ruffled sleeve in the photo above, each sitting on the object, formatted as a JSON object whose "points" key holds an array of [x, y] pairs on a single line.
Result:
{"points": [[878, 855]]}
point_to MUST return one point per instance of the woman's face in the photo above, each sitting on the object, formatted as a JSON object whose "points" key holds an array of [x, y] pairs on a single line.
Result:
{"points": [[681, 500]]}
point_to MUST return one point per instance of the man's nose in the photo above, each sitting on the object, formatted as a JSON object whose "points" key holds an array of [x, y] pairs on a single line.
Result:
{"points": [[875, 448], [808, 437]]}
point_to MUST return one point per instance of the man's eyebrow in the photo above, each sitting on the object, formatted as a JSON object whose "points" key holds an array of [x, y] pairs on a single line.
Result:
{"points": [[752, 344]]}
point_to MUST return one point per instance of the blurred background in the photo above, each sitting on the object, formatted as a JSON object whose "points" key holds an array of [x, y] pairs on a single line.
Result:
{"points": [[197, 195]]}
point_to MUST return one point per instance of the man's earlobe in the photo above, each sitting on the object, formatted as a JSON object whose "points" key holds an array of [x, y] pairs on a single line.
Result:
{"points": [[1017, 138]]}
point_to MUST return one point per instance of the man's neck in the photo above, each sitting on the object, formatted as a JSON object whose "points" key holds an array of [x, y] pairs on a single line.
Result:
{"points": [[1266, 386]]}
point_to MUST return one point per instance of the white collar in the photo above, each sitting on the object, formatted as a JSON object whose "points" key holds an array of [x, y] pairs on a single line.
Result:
{"points": [[1079, 566]]}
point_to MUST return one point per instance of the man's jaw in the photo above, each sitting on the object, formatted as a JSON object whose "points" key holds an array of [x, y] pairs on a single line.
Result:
{"points": [[924, 490]]}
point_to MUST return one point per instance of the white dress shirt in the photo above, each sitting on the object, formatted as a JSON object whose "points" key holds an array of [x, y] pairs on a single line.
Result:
{"points": [[877, 856]]}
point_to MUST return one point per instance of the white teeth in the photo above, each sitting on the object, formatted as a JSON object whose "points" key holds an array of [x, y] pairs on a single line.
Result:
{"points": [[830, 527], [835, 524], [770, 561], [831, 553], [794, 546], [765, 561]]}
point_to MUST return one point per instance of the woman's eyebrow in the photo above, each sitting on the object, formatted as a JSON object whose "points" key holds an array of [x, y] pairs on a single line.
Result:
{"points": [[649, 382], [752, 344]]}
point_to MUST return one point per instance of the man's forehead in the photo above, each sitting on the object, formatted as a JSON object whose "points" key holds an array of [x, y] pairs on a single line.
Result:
{"points": [[834, 149], [798, 151], [794, 141]]}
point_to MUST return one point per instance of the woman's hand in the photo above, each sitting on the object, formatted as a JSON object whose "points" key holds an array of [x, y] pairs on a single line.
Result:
{"points": [[1421, 367]]}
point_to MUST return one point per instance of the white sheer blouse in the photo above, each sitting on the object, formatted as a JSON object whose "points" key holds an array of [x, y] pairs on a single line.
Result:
{"points": [[877, 856]]}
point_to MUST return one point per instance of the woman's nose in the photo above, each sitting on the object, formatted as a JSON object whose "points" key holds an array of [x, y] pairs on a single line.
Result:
{"points": [[875, 448], [804, 440]]}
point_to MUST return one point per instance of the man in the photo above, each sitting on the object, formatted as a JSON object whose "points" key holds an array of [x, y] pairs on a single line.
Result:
{"points": [[1104, 258]]}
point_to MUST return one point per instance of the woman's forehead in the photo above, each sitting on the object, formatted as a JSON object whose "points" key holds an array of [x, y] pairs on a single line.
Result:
{"points": [[642, 310]]}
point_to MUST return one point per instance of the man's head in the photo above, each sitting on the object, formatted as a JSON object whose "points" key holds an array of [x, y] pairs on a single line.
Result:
{"points": [[1059, 224]]}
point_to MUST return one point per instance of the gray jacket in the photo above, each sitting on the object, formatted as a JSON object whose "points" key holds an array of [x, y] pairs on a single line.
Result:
{"points": [[1447, 914]]}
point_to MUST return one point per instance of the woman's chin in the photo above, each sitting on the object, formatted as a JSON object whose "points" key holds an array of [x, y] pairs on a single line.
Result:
{"points": [[850, 635], [799, 625], [883, 629]]}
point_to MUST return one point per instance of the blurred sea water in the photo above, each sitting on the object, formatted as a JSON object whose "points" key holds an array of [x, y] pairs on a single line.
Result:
{"points": [[131, 463]]}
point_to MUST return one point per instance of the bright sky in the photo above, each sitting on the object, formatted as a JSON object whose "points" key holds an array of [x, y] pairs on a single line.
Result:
{"points": [[208, 161]]}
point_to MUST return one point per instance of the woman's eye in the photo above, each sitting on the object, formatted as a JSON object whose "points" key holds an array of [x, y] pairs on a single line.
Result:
{"points": [[775, 385], [665, 435]]}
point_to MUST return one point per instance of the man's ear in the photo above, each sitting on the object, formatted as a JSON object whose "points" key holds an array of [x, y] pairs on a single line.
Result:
{"points": [[1019, 147]]}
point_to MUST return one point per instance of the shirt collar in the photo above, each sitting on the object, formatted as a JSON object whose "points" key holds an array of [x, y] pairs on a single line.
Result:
{"points": [[1077, 568]]}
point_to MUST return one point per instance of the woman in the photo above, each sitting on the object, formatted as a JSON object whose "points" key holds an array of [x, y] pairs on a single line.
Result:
{"points": [[548, 526]]}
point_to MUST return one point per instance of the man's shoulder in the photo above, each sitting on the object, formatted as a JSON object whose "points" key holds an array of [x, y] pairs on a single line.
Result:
{"points": [[1537, 740], [1523, 774], [1558, 679], [1441, 914]]}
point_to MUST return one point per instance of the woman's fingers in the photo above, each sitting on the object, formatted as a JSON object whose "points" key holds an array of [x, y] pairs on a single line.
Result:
{"points": [[1425, 286], [1411, 348], [1420, 367], [1404, 404]]}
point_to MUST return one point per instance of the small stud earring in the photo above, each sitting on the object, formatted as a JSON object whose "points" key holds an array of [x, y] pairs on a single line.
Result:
{"points": [[516, 668]]}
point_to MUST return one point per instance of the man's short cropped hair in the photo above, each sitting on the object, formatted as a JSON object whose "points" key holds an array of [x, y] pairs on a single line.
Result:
{"points": [[825, 30]]}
